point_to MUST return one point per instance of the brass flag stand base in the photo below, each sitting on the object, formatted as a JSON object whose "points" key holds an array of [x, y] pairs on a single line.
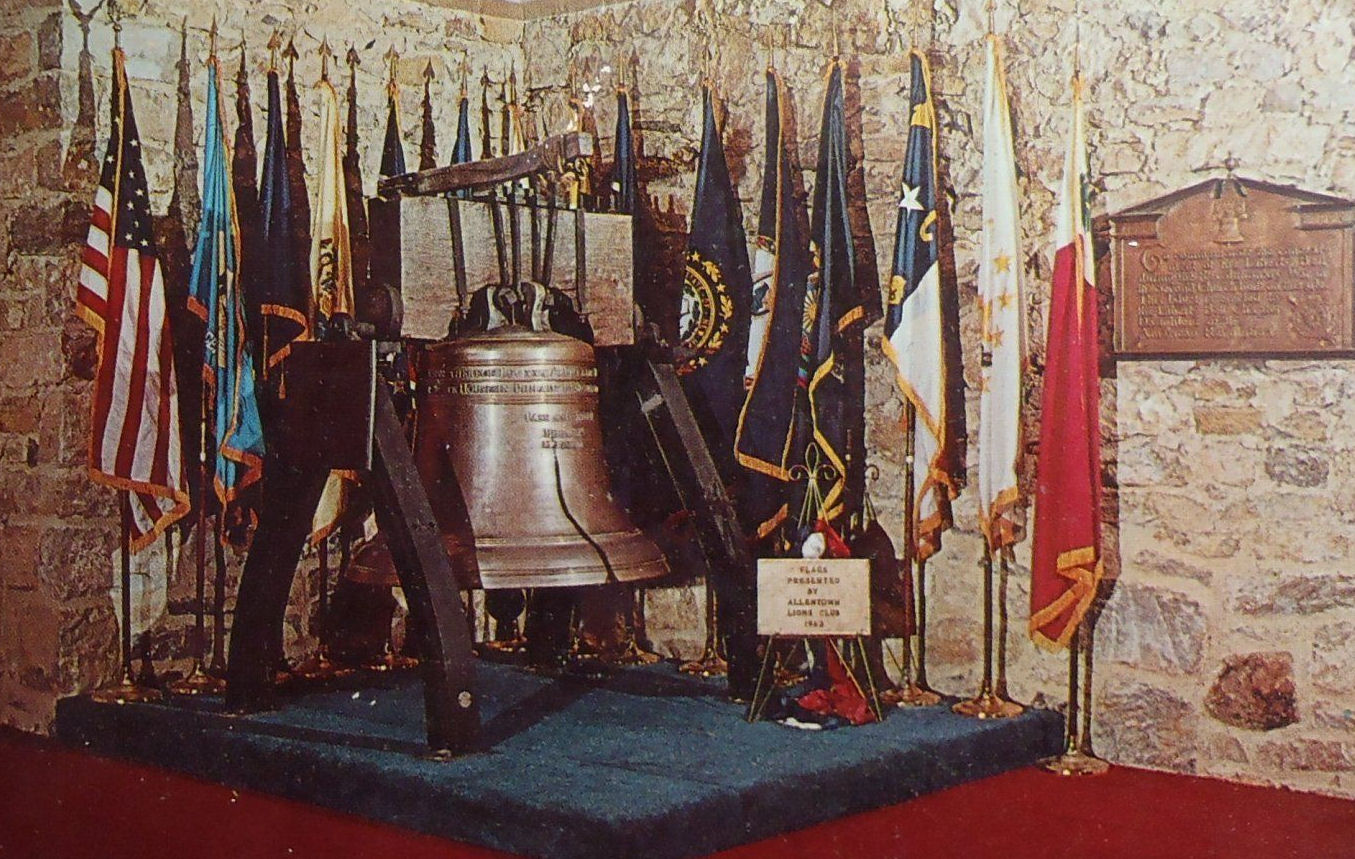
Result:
{"points": [[632, 651], [634, 654], [392, 661], [910, 695], [1074, 763], [987, 704], [321, 667], [711, 663], [1078, 758], [198, 682], [127, 691]]}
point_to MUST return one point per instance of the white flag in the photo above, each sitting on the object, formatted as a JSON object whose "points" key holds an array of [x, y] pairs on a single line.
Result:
{"points": [[1002, 315], [331, 254]]}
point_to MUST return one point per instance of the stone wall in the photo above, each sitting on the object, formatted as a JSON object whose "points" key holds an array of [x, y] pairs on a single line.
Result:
{"points": [[1229, 488], [58, 533], [1231, 523]]}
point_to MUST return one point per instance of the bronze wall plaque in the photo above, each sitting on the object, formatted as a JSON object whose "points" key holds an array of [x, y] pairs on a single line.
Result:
{"points": [[1233, 266]]}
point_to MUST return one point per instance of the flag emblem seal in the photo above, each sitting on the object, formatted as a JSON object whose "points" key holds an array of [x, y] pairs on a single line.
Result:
{"points": [[707, 312]]}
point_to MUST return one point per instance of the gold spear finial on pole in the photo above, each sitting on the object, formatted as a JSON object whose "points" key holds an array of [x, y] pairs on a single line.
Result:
{"points": [[274, 46], [325, 53], [392, 66], [211, 40], [291, 55], [352, 58], [115, 16]]}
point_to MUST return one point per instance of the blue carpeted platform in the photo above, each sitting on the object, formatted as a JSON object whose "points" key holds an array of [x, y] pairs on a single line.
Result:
{"points": [[646, 763]]}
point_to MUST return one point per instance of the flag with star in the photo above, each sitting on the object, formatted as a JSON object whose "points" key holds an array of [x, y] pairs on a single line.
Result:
{"points": [[1066, 565], [833, 314], [134, 427], [781, 268], [914, 333], [1001, 319], [214, 295], [716, 292], [282, 295]]}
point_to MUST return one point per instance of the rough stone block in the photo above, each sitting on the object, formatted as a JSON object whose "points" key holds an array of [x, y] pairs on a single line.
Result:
{"points": [[1153, 628], [1295, 594], [17, 58], [1255, 691], [1162, 565], [75, 561], [1333, 716], [1297, 466], [20, 548], [1149, 726], [20, 414], [49, 43], [89, 647], [29, 358], [1227, 420], [50, 230], [1333, 666], [1306, 755], [1227, 748]]}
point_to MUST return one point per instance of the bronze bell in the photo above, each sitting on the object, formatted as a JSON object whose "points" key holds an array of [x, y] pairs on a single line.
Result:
{"points": [[514, 412]]}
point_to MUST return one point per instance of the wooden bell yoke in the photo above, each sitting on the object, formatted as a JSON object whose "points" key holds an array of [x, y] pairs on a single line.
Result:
{"points": [[338, 414]]}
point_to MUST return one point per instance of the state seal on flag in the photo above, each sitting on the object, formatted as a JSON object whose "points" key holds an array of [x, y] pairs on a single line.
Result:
{"points": [[707, 311]]}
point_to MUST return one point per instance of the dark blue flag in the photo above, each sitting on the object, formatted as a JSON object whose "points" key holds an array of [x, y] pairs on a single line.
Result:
{"points": [[282, 295], [781, 268], [716, 292], [625, 187], [833, 311]]}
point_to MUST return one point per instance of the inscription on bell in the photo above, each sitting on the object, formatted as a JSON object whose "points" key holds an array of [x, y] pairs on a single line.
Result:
{"points": [[1231, 267], [518, 381]]}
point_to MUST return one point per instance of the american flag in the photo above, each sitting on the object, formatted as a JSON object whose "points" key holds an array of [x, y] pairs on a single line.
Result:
{"points": [[134, 438]]}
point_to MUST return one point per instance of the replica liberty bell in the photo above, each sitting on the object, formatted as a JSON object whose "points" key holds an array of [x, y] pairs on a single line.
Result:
{"points": [[513, 413]]}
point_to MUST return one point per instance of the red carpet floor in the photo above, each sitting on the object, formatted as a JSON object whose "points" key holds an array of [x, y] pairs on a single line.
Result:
{"points": [[58, 803]]}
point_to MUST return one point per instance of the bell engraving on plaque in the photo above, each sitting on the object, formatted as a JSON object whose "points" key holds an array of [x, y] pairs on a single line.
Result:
{"points": [[1233, 266]]}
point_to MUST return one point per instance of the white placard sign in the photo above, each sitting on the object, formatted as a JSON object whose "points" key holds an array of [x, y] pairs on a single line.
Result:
{"points": [[797, 597]]}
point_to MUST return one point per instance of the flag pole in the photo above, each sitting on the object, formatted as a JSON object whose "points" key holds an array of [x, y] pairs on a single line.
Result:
{"points": [[1078, 758], [128, 689], [1004, 573], [911, 692], [988, 704], [217, 669]]}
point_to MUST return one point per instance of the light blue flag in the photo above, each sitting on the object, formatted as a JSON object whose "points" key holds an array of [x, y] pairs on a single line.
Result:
{"points": [[214, 296]]}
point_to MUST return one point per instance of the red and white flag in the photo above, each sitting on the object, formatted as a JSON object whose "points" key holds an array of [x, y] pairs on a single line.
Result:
{"points": [[1066, 566], [135, 439]]}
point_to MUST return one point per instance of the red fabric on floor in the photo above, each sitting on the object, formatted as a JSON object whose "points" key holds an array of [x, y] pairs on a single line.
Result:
{"points": [[55, 802]]}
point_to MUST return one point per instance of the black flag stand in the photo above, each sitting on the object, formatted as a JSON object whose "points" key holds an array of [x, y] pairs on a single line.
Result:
{"points": [[128, 690]]}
